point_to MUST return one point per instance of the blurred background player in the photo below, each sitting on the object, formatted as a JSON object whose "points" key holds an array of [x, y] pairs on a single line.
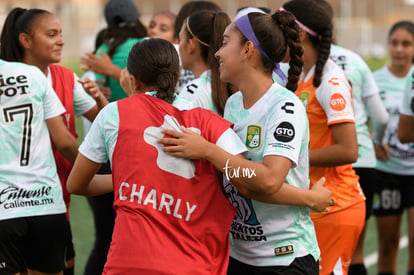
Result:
{"points": [[395, 161]]}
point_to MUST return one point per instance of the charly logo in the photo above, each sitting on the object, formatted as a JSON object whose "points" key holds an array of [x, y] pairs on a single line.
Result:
{"points": [[334, 81], [284, 132], [254, 136], [288, 108]]}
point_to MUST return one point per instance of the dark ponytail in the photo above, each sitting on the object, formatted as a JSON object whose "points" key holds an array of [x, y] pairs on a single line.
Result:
{"points": [[155, 62], [316, 18], [165, 80], [18, 21], [208, 28], [324, 48], [289, 27]]}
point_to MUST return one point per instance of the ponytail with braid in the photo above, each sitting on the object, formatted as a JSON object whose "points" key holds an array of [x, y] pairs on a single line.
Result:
{"points": [[289, 27], [317, 23], [324, 48]]}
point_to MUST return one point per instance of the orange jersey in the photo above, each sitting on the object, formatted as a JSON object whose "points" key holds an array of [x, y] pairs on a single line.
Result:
{"points": [[329, 104], [338, 235]]}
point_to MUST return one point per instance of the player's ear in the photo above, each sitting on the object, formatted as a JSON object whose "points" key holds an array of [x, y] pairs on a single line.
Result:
{"points": [[137, 83], [25, 40]]}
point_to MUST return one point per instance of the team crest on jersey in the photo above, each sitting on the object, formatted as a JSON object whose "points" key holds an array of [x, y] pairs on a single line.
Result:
{"points": [[304, 97], [254, 136]]}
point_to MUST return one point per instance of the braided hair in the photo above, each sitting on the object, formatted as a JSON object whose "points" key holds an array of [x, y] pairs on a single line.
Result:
{"points": [[315, 17], [275, 33]]}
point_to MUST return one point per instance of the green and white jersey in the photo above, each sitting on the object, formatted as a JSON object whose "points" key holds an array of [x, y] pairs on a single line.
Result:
{"points": [[391, 88], [268, 234], [198, 91], [408, 96], [363, 85], [29, 184]]}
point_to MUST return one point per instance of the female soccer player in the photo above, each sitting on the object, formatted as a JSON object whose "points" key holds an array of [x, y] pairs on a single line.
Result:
{"points": [[33, 224], [272, 122], [395, 164], [34, 37], [326, 94]]}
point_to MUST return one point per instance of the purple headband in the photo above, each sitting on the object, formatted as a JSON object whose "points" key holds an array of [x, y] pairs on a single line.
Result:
{"points": [[243, 24]]}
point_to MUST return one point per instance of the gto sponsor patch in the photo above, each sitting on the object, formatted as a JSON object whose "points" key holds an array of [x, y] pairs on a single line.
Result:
{"points": [[284, 132], [284, 250], [338, 102]]}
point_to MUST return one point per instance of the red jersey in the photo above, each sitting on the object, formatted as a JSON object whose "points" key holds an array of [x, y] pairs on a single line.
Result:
{"points": [[172, 216], [63, 82]]}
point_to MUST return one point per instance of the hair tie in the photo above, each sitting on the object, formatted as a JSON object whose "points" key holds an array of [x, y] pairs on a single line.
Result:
{"points": [[165, 71], [192, 34], [19, 20], [243, 24]]}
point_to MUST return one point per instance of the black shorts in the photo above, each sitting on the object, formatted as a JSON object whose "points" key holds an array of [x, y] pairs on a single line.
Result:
{"points": [[393, 194], [36, 243], [302, 265], [367, 182]]}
